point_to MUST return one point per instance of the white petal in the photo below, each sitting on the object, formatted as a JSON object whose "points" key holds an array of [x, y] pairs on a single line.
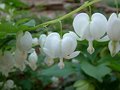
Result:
{"points": [[86, 33], [68, 46], [114, 30], [20, 58], [52, 44], [42, 39], [26, 41], [114, 47], [119, 15], [74, 54], [104, 39], [112, 17], [79, 23], [6, 63], [74, 35], [49, 61], [48, 52], [98, 25], [33, 58], [35, 41], [9, 59]]}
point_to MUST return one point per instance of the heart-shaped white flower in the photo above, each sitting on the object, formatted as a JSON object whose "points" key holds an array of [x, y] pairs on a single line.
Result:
{"points": [[113, 32], [55, 47], [91, 28]]}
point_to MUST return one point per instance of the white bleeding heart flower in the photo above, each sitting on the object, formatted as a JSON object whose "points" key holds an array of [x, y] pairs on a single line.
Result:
{"points": [[6, 63], [91, 28], [24, 41], [113, 32], [49, 61], [32, 60], [55, 47], [20, 59], [23, 46], [41, 41]]}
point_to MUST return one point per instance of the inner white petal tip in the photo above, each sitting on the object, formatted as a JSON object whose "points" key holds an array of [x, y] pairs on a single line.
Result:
{"points": [[114, 47], [90, 48], [61, 64]]}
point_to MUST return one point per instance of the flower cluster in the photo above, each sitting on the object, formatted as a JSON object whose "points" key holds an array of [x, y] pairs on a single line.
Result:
{"points": [[54, 46], [18, 59], [98, 28]]}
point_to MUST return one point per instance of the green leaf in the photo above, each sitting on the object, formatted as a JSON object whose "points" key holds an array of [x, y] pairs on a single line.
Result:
{"points": [[26, 84], [30, 23], [115, 65], [56, 71], [80, 83], [21, 21], [7, 27], [83, 85], [97, 72], [15, 3]]}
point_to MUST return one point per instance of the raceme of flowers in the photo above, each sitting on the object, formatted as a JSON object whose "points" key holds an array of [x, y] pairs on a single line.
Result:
{"points": [[54, 46]]}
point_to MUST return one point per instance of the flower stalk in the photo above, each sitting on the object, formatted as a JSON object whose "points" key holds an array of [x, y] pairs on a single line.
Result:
{"points": [[86, 4]]}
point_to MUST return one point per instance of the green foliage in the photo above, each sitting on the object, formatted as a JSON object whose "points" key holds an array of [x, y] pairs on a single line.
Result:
{"points": [[55, 71], [83, 85], [15, 3], [98, 71]]}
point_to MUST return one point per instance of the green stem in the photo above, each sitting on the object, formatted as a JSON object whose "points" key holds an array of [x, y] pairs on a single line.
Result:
{"points": [[116, 3], [60, 28], [90, 11], [86, 4]]}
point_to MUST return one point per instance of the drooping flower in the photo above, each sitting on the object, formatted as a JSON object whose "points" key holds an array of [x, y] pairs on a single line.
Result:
{"points": [[90, 28], [55, 47], [6, 63], [24, 41], [23, 45], [9, 84], [20, 59], [32, 60], [113, 32]]}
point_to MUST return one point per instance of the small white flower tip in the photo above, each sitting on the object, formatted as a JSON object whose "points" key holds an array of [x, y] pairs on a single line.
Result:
{"points": [[61, 64], [49, 61], [90, 48], [114, 47]]}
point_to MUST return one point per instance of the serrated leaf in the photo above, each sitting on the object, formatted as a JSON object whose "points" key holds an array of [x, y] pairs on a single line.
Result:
{"points": [[97, 72]]}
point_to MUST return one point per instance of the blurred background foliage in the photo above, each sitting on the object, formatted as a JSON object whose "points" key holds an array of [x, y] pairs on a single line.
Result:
{"points": [[98, 71]]}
